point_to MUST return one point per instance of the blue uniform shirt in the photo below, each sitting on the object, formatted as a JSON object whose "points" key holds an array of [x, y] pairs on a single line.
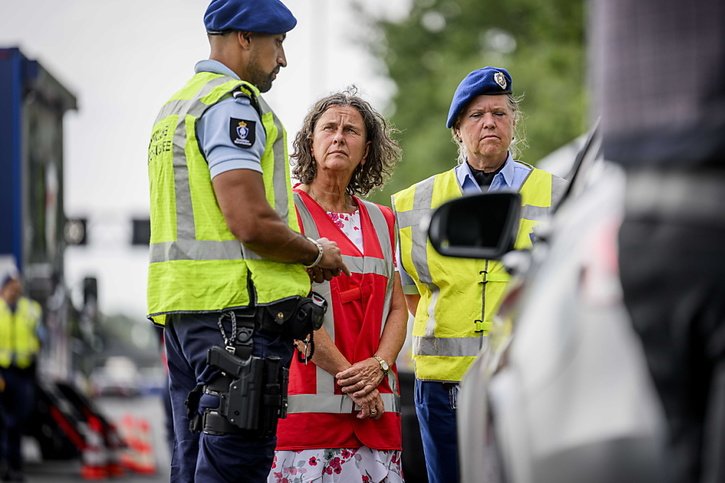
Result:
{"points": [[212, 129], [510, 178]]}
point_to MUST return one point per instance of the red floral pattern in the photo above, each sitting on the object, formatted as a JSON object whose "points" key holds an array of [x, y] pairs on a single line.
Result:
{"points": [[336, 465]]}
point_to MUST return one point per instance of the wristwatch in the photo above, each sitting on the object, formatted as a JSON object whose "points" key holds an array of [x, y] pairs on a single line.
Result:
{"points": [[383, 365]]}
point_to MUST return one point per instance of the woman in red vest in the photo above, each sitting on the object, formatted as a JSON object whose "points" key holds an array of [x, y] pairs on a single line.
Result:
{"points": [[343, 419]]}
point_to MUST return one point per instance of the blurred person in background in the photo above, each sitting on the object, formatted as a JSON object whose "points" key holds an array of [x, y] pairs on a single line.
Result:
{"points": [[343, 420], [454, 300], [658, 68], [227, 276], [20, 342]]}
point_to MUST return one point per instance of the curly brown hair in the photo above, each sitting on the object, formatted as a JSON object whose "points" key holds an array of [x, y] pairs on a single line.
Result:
{"points": [[383, 155]]}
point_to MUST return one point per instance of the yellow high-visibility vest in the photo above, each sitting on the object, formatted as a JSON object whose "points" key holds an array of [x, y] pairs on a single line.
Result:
{"points": [[458, 297], [19, 344], [196, 263]]}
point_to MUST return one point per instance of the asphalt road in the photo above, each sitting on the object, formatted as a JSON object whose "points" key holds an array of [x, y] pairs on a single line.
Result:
{"points": [[115, 409]]}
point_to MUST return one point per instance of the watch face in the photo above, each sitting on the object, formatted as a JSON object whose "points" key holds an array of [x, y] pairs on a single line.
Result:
{"points": [[383, 364]]}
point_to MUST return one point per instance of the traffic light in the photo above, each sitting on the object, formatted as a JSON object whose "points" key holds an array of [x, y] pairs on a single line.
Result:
{"points": [[141, 233], [75, 231], [90, 290]]}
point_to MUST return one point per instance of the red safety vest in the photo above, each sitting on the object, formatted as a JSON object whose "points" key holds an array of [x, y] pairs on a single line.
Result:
{"points": [[319, 415]]}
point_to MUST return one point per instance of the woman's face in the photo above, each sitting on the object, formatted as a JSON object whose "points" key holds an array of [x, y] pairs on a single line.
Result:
{"points": [[486, 129], [339, 140]]}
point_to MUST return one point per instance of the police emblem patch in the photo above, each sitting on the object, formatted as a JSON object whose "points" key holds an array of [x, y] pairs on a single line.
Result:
{"points": [[242, 132], [500, 80]]}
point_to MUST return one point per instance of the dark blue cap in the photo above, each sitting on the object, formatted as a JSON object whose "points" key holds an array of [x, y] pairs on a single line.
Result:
{"points": [[488, 80], [262, 16]]}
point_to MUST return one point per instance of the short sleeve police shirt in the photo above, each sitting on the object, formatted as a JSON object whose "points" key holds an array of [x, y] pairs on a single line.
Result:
{"points": [[230, 133]]}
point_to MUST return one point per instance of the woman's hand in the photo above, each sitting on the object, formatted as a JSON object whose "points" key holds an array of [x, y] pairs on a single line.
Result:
{"points": [[371, 405], [361, 378]]}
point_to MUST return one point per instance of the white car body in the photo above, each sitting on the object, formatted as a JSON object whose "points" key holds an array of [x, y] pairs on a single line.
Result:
{"points": [[567, 397]]}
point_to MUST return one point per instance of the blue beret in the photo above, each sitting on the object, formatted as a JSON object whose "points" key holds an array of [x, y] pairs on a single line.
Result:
{"points": [[489, 80], [262, 16]]}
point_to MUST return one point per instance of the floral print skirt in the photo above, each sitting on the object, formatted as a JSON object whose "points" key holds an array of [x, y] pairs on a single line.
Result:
{"points": [[336, 465]]}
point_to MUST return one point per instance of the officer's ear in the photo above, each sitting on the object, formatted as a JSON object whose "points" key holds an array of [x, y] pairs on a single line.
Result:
{"points": [[244, 39]]}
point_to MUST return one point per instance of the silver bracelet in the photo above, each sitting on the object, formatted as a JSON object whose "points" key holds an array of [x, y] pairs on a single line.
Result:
{"points": [[320, 252]]}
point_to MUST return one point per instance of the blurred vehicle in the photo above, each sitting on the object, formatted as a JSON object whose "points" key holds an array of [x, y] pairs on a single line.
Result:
{"points": [[119, 376], [562, 392]]}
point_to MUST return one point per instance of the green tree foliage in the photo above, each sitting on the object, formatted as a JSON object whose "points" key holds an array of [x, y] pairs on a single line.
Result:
{"points": [[428, 54]]}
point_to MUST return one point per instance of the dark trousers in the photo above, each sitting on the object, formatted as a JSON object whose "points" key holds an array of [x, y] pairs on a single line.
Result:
{"points": [[435, 405], [212, 458], [672, 265], [17, 403]]}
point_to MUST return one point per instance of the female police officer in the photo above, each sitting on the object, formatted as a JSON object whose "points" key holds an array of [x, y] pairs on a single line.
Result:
{"points": [[454, 300]]}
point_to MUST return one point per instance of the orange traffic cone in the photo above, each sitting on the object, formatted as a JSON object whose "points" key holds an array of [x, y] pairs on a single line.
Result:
{"points": [[128, 435], [145, 459], [93, 458], [114, 446], [138, 455]]}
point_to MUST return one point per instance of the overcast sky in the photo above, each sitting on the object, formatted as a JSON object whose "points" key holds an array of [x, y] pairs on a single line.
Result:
{"points": [[122, 59]]}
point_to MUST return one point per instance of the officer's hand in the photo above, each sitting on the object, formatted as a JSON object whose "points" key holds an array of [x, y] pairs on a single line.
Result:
{"points": [[361, 378], [331, 258], [319, 275], [316, 274]]}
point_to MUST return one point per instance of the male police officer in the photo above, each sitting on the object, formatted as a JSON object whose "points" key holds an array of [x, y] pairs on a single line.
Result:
{"points": [[218, 172], [454, 300]]}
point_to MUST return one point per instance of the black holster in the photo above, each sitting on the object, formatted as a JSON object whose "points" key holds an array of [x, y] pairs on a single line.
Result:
{"points": [[252, 391], [252, 394], [295, 317]]}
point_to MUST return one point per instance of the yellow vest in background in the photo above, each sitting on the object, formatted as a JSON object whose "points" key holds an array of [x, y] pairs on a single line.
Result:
{"points": [[458, 297], [196, 263], [19, 344]]}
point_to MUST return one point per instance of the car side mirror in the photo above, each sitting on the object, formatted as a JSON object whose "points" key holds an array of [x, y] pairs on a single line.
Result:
{"points": [[476, 226]]}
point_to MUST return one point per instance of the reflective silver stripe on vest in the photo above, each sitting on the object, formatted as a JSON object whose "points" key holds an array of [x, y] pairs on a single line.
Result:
{"points": [[386, 244], [541, 213], [535, 213], [182, 107], [306, 220], [377, 266], [452, 347], [409, 218], [185, 228], [280, 174], [325, 380], [195, 250], [334, 403], [422, 201]]}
